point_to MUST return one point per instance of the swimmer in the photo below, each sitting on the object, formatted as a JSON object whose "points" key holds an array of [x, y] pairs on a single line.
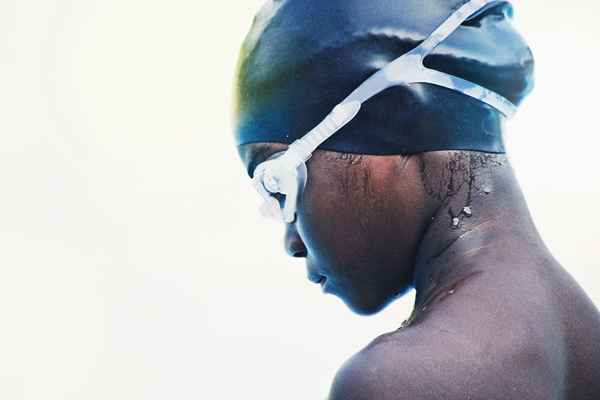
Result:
{"points": [[374, 132]]}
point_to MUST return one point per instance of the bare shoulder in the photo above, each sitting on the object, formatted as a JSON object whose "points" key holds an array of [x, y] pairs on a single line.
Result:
{"points": [[395, 366], [381, 371], [402, 366]]}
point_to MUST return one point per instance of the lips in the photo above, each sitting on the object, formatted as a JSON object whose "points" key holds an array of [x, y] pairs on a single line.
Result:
{"points": [[316, 278]]}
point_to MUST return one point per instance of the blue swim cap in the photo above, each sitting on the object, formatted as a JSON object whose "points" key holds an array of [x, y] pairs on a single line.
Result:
{"points": [[302, 57]]}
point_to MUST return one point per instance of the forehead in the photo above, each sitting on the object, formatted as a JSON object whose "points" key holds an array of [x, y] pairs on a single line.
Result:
{"points": [[253, 154]]}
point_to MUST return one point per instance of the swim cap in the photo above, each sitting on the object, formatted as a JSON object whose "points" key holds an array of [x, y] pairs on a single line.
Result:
{"points": [[302, 57]]}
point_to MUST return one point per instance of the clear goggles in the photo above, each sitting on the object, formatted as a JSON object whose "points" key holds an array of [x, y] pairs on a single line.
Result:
{"points": [[281, 179]]}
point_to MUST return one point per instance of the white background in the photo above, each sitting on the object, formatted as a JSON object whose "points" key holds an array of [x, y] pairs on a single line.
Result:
{"points": [[133, 264]]}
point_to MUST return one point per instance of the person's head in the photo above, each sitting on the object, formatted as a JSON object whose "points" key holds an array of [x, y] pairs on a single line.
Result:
{"points": [[367, 202]]}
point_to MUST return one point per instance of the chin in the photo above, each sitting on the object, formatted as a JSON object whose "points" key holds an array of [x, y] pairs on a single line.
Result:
{"points": [[371, 305], [366, 308]]}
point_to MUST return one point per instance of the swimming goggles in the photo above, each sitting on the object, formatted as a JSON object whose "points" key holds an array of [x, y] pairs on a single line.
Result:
{"points": [[281, 179]]}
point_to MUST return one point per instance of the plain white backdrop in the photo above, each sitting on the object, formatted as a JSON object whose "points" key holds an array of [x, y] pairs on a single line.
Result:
{"points": [[133, 263]]}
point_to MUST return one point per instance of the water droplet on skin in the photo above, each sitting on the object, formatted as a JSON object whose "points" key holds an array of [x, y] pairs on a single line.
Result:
{"points": [[455, 222]]}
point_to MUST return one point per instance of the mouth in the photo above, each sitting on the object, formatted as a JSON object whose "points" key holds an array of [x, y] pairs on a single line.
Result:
{"points": [[317, 278], [323, 283]]}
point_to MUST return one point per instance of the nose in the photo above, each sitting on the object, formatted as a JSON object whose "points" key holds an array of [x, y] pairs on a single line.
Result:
{"points": [[292, 242]]}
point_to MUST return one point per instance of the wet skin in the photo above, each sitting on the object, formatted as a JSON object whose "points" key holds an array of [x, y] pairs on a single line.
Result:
{"points": [[495, 317]]}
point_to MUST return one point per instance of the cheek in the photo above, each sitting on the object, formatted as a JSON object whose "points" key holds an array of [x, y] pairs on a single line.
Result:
{"points": [[319, 213], [345, 229], [327, 220], [362, 236]]}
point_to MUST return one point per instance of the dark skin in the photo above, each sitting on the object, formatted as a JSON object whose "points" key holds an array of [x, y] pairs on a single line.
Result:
{"points": [[495, 316]]}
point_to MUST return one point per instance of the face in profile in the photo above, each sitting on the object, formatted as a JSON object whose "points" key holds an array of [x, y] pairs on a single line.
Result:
{"points": [[358, 223]]}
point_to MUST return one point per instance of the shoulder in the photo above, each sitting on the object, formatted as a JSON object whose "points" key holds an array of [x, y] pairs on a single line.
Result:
{"points": [[402, 367], [389, 368]]}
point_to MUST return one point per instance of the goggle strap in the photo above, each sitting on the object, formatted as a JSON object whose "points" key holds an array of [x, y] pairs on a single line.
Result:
{"points": [[302, 149], [452, 23], [468, 88]]}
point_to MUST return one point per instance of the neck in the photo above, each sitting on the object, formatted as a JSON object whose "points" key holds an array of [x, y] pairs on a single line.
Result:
{"points": [[484, 227]]}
